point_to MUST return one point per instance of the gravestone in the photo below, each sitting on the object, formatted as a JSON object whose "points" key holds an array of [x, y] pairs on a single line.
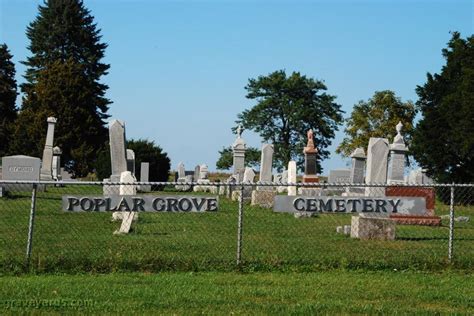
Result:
{"points": [[238, 150], [283, 179], [20, 168], [47, 162], [377, 155], [310, 163], [249, 178], [197, 172], [57, 163], [264, 195], [126, 188], [131, 161], [372, 228], [419, 176], [144, 176], [118, 155], [398, 151], [183, 178], [357, 171], [292, 177], [266, 164]]}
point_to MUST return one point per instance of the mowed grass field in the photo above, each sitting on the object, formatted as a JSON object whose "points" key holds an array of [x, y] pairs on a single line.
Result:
{"points": [[84, 242], [217, 293]]}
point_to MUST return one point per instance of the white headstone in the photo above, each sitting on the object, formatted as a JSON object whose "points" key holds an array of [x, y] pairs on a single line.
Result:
{"points": [[181, 171], [249, 175], [128, 188], [292, 177]]}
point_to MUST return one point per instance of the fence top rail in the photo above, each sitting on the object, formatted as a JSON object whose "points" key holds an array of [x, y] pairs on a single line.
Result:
{"points": [[240, 184]]}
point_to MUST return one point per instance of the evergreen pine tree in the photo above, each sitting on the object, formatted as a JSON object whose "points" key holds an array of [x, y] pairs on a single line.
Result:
{"points": [[8, 93], [63, 80]]}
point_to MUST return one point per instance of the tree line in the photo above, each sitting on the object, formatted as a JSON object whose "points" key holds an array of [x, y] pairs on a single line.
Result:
{"points": [[63, 79], [442, 141]]}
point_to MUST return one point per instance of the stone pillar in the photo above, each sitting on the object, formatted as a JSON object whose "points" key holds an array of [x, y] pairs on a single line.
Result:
{"points": [[292, 177], [238, 149], [310, 153], [47, 162], [398, 151], [377, 157]]}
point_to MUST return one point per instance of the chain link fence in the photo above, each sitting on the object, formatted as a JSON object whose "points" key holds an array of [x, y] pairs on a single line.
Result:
{"points": [[38, 234]]}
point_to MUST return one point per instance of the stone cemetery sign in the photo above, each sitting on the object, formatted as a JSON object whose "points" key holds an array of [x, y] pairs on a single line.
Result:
{"points": [[364, 204], [145, 203]]}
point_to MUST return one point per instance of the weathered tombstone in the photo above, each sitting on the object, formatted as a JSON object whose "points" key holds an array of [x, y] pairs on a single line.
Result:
{"points": [[126, 188], [419, 176], [47, 162], [118, 155], [357, 170], [238, 150], [144, 176], [249, 177], [21, 168], [203, 172], [284, 179], [131, 161], [57, 163], [377, 155], [292, 177], [183, 178], [368, 227], [339, 176], [398, 151], [181, 170], [266, 165], [264, 195], [197, 172]]}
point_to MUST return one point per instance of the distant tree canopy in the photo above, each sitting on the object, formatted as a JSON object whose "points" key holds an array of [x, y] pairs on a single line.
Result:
{"points": [[225, 162], [287, 107], [443, 140], [8, 93], [63, 80], [145, 151], [377, 117]]}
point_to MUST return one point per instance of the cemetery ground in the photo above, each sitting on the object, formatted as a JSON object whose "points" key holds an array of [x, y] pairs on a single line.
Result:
{"points": [[184, 293], [186, 262]]}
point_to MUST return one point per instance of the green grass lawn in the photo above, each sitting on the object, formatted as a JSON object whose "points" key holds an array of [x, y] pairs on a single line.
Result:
{"points": [[184, 293], [78, 242]]}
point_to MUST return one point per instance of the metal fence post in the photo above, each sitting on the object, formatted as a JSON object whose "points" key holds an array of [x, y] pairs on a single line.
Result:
{"points": [[451, 225], [31, 224], [239, 225]]}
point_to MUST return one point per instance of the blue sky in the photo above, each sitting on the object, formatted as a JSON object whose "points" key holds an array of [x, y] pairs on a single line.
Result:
{"points": [[179, 68]]}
